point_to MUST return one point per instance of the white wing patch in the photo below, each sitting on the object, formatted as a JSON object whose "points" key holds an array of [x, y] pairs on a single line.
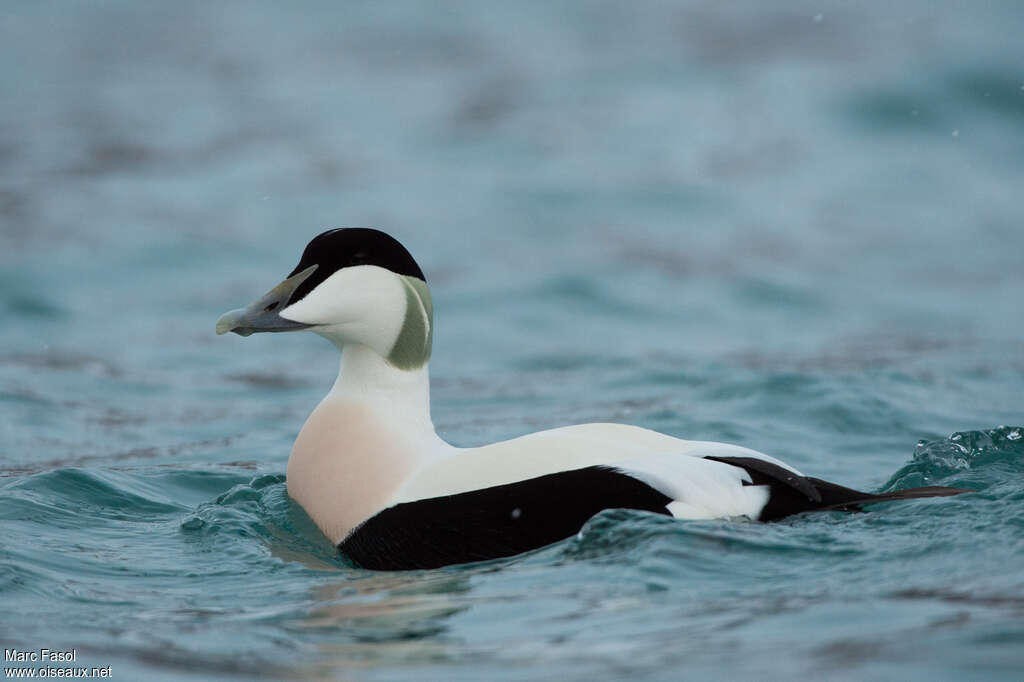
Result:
{"points": [[700, 488]]}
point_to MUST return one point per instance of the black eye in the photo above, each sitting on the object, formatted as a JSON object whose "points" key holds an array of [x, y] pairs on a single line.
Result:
{"points": [[271, 307]]}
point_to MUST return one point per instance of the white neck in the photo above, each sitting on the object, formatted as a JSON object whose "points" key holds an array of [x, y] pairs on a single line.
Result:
{"points": [[365, 377], [364, 440]]}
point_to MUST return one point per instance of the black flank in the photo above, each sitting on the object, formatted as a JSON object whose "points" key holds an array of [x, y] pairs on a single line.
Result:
{"points": [[792, 494], [348, 246], [495, 522]]}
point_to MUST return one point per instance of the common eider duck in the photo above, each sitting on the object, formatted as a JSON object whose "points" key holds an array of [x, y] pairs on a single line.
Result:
{"points": [[372, 473]]}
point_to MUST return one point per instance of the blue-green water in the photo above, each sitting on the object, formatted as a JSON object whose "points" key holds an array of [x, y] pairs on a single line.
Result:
{"points": [[796, 226]]}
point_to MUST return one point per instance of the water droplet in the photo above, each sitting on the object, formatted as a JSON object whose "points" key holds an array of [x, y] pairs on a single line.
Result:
{"points": [[818, 18], [956, 437], [1014, 435], [516, 513], [193, 522], [956, 132]]}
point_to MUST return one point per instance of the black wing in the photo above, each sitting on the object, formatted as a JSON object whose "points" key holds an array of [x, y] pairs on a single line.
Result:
{"points": [[495, 522], [790, 493]]}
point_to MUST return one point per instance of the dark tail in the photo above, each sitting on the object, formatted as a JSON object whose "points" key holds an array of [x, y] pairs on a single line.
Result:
{"points": [[836, 497], [792, 494]]}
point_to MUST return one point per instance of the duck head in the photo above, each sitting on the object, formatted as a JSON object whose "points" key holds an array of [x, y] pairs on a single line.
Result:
{"points": [[351, 286]]}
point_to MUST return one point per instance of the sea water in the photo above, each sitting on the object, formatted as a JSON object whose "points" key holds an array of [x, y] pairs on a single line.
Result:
{"points": [[794, 226]]}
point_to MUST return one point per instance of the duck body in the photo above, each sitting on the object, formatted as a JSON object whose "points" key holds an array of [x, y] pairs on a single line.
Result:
{"points": [[371, 471]]}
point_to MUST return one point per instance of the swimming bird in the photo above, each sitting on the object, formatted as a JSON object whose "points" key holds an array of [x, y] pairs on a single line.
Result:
{"points": [[372, 473]]}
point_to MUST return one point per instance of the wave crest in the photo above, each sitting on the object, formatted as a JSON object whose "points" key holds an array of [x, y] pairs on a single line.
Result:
{"points": [[975, 459]]}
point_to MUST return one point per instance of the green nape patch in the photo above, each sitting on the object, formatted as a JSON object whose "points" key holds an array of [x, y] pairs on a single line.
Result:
{"points": [[413, 345]]}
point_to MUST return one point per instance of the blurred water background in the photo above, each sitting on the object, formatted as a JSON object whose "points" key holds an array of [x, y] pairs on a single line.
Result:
{"points": [[796, 226]]}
